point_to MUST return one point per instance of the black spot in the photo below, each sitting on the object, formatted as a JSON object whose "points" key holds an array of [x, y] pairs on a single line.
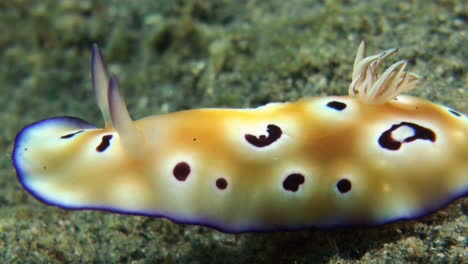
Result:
{"points": [[336, 105], [25, 149], [181, 171], [71, 134], [292, 182], [386, 141], [343, 185], [221, 183], [455, 113], [105, 143], [274, 133]]}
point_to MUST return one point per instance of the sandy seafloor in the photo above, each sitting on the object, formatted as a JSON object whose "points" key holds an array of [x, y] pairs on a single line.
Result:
{"points": [[175, 55]]}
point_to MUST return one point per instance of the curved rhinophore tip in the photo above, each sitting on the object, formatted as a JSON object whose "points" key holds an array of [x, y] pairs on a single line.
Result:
{"points": [[100, 82], [130, 137], [110, 102]]}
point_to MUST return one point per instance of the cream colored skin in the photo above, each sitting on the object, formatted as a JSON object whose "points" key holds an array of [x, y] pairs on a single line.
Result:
{"points": [[135, 173]]}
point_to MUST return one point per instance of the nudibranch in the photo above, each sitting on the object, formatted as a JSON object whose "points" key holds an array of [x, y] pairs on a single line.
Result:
{"points": [[366, 159]]}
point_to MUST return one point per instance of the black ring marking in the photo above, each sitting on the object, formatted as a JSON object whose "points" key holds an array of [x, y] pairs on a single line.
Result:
{"points": [[181, 171], [386, 141], [343, 185], [274, 133], [105, 143], [71, 134], [336, 105], [292, 182]]}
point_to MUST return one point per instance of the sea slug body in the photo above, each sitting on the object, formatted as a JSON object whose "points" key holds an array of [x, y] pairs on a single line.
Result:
{"points": [[319, 162]]}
